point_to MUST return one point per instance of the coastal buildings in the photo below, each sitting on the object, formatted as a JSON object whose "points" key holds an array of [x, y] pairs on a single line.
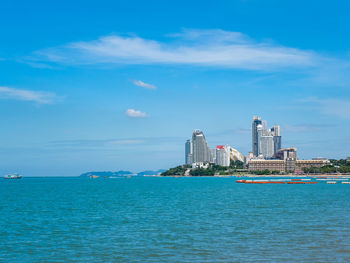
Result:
{"points": [[235, 155], [223, 155], [200, 165], [198, 152], [212, 155], [200, 149], [188, 152], [265, 142], [285, 161], [256, 121], [311, 163], [267, 152], [287, 153], [277, 139], [271, 165], [284, 165]]}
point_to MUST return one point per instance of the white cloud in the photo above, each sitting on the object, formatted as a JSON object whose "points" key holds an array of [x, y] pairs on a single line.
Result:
{"points": [[135, 113], [27, 95], [216, 48], [143, 84]]}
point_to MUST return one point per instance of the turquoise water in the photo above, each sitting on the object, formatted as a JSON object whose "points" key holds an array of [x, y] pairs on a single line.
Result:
{"points": [[172, 220]]}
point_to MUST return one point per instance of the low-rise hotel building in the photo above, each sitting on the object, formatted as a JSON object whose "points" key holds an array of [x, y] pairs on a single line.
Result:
{"points": [[311, 163], [286, 161], [271, 165]]}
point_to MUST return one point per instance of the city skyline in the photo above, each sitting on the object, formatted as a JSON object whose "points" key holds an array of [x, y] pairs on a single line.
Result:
{"points": [[266, 144], [267, 155], [120, 85]]}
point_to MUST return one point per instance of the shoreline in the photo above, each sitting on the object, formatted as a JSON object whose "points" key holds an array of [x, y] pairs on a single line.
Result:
{"points": [[268, 176]]}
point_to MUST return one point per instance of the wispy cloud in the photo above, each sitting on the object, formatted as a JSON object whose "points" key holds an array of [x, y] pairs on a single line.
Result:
{"points": [[135, 113], [232, 132], [142, 84], [305, 127], [335, 107], [192, 47], [40, 97], [113, 142], [127, 141]]}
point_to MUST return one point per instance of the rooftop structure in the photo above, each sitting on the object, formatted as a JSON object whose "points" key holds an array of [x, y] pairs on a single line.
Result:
{"points": [[287, 153]]}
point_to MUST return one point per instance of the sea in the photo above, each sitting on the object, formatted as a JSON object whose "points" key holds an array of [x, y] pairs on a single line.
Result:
{"points": [[157, 219]]}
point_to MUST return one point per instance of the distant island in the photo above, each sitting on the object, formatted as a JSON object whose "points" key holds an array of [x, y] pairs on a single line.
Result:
{"points": [[121, 173]]}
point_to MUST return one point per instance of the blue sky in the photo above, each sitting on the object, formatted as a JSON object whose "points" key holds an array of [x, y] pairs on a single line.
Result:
{"points": [[110, 85]]}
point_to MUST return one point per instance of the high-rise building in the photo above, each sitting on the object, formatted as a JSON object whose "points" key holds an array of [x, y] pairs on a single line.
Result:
{"points": [[212, 155], [223, 155], [188, 152], [266, 142], [276, 130], [277, 139], [200, 149], [255, 144]]}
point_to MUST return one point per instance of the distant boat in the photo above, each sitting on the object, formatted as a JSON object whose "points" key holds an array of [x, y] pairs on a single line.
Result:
{"points": [[13, 176], [240, 181], [94, 176]]}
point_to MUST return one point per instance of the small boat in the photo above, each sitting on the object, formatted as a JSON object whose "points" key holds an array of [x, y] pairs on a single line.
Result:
{"points": [[240, 181], [94, 176], [13, 176], [331, 182], [345, 182]]}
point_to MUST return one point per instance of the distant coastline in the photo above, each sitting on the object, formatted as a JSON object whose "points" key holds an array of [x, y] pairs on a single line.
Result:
{"points": [[121, 173], [265, 176], [334, 168]]}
